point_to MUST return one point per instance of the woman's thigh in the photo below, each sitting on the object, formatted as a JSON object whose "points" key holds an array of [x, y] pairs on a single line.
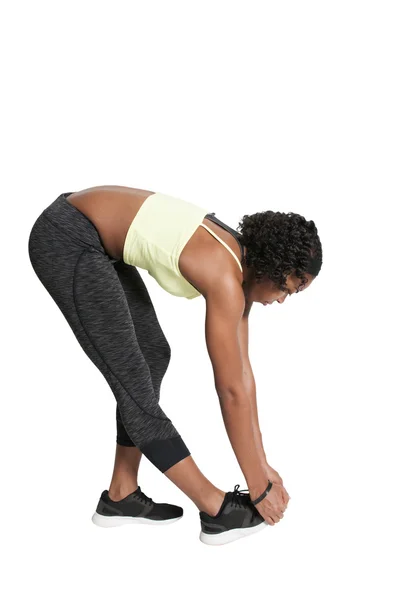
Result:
{"points": [[150, 335]]}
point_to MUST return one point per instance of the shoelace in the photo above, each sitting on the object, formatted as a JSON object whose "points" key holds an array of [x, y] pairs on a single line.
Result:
{"points": [[239, 498], [143, 497]]}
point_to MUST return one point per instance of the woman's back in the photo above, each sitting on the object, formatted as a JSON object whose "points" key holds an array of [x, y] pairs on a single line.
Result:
{"points": [[111, 209]]}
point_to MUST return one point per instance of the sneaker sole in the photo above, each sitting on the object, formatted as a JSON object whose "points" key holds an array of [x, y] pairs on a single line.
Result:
{"points": [[103, 521], [217, 539]]}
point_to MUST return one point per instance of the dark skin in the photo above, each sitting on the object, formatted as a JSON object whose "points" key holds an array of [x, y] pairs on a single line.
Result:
{"points": [[211, 269]]}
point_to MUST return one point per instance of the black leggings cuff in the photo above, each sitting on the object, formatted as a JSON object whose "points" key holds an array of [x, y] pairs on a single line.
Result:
{"points": [[163, 454], [123, 442]]}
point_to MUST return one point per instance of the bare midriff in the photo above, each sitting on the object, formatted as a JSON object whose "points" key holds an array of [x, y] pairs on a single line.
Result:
{"points": [[112, 209]]}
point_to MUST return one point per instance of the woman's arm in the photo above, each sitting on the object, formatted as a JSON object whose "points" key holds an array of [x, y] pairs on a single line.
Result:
{"points": [[225, 304], [249, 381]]}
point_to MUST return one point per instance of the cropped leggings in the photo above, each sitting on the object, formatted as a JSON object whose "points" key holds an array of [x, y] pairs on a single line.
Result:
{"points": [[107, 305]]}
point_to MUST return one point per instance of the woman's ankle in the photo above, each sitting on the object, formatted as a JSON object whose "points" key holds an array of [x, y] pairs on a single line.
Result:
{"points": [[118, 491], [211, 504]]}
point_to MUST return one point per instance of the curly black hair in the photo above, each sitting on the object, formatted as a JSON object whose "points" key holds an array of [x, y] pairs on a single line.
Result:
{"points": [[281, 244]]}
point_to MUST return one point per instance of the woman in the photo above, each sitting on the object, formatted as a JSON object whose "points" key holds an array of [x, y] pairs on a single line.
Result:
{"points": [[85, 248]]}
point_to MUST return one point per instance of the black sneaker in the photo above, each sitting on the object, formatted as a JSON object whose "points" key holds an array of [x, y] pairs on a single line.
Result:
{"points": [[134, 508], [237, 518]]}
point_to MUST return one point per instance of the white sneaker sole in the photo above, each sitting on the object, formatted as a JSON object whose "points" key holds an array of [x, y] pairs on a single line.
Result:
{"points": [[103, 521], [217, 539]]}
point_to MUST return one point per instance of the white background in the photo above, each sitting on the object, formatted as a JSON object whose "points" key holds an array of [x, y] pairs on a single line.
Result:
{"points": [[239, 107]]}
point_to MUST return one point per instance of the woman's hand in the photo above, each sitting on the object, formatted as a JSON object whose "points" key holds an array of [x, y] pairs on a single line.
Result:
{"points": [[273, 475], [272, 507], [276, 478]]}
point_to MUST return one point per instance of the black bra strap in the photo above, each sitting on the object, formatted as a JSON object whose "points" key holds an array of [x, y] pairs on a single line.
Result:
{"points": [[236, 234]]}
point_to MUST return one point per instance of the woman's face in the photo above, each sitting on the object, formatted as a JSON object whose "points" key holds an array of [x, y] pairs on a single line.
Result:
{"points": [[268, 292]]}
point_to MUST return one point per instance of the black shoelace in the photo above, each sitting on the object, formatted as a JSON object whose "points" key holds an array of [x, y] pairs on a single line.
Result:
{"points": [[239, 498], [143, 497]]}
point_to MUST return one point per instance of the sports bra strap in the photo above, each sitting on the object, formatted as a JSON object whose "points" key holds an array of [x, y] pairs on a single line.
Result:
{"points": [[223, 243]]}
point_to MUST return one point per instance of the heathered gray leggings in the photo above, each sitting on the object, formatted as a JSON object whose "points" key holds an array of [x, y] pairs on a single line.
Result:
{"points": [[107, 305]]}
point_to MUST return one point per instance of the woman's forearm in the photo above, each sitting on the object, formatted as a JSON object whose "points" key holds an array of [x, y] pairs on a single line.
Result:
{"points": [[250, 386], [238, 419]]}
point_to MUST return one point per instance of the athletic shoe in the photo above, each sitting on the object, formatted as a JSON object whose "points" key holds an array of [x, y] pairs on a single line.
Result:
{"points": [[237, 518], [134, 508]]}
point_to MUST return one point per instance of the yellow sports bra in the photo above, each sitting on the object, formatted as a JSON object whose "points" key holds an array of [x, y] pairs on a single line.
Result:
{"points": [[157, 235]]}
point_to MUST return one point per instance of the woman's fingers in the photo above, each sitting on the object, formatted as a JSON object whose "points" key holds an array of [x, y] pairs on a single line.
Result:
{"points": [[285, 496]]}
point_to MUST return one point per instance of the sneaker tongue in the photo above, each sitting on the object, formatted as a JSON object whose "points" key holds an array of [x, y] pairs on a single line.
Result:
{"points": [[136, 492]]}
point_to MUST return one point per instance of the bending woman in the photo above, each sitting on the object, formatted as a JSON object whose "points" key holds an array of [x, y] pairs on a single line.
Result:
{"points": [[85, 248]]}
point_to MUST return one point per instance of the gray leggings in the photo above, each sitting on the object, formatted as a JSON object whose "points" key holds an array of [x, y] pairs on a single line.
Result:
{"points": [[107, 305]]}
